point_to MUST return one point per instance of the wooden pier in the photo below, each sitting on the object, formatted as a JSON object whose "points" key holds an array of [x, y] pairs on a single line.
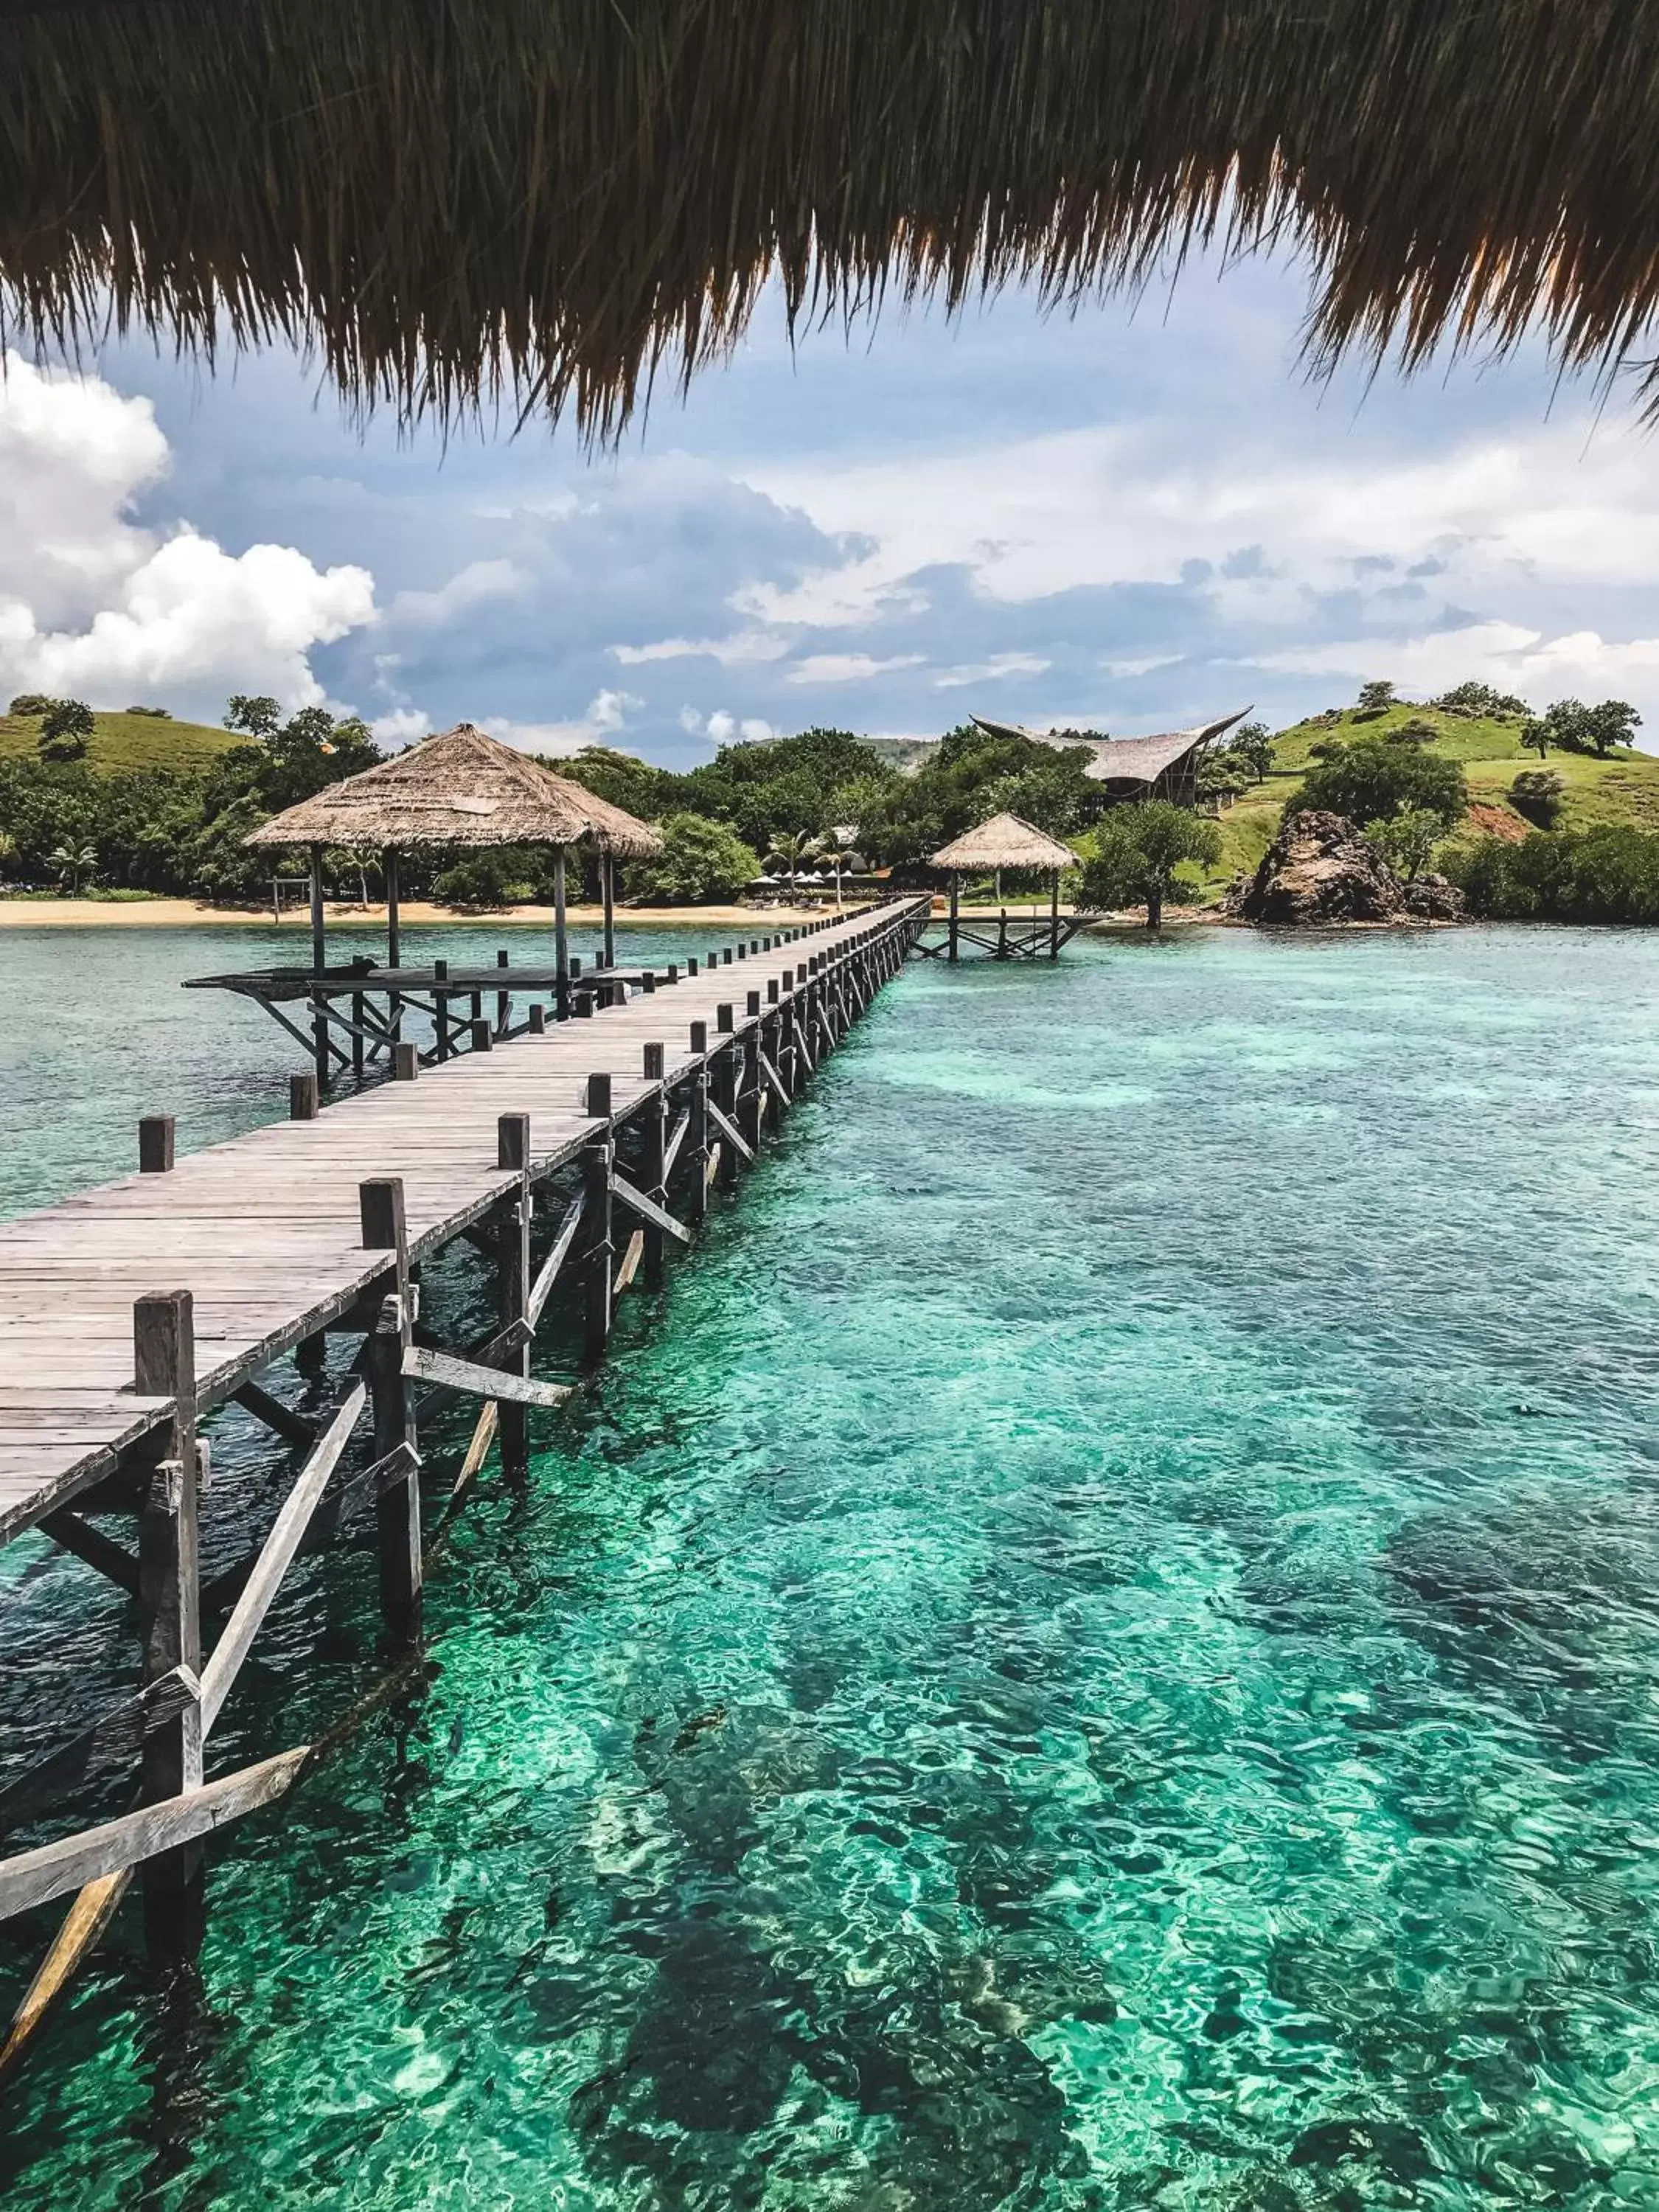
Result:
{"points": [[129, 1313]]}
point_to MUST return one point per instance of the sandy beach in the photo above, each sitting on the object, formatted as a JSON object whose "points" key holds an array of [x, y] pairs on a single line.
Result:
{"points": [[174, 914]]}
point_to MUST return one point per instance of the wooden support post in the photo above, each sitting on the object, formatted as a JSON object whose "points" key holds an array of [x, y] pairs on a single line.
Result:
{"points": [[394, 937], [319, 958], [723, 1093], [302, 1097], [513, 1282], [155, 1134], [503, 999], [954, 929], [483, 1037], [1054, 916], [560, 942], [358, 1009], [405, 1061], [752, 1096], [538, 1020], [440, 1006], [696, 1135], [654, 1181], [608, 888], [597, 1161], [164, 1366], [398, 1507]]}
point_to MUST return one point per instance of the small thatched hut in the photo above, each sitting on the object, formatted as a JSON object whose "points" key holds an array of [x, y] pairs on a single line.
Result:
{"points": [[461, 788], [1004, 841]]}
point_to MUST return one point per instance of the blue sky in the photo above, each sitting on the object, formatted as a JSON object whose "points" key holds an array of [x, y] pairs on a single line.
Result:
{"points": [[1131, 518]]}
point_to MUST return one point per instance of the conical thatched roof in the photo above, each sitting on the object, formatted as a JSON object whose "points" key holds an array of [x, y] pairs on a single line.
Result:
{"points": [[461, 788], [1004, 841], [451, 197]]}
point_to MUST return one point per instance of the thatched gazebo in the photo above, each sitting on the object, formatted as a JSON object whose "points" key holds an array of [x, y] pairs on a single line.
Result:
{"points": [[455, 203], [461, 788], [1005, 841]]}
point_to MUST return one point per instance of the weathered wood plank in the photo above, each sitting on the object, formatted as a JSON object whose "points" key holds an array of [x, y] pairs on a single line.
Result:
{"points": [[275, 1558], [647, 1208], [36, 1877], [480, 1382], [729, 1130]]}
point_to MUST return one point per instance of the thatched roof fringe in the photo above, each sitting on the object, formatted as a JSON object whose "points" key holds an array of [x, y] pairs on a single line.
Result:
{"points": [[1004, 841], [552, 201], [461, 788]]}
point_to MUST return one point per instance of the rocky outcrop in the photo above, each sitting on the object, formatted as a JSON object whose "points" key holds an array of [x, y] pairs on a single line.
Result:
{"points": [[1319, 869]]}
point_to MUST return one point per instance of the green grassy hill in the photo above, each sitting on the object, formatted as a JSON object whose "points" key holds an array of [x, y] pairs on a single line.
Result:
{"points": [[1624, 789], [121, 742]]}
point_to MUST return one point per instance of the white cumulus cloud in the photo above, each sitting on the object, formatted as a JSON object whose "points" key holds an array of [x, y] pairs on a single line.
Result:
{"points": [[93, 605]]}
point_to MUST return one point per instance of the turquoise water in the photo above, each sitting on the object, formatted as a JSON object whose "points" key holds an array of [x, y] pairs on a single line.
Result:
{"points": [[1096, 1648]]}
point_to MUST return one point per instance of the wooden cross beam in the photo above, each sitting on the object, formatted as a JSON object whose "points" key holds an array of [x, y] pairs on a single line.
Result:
{"points": [[36, 1877], [647, 1208], [475, 1382], [734, 1136]]}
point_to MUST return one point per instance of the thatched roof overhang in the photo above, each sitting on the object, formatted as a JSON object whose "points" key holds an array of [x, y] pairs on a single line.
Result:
{"points": [[1129, 761], [1004, 841], [554, 199], [460, 788]]}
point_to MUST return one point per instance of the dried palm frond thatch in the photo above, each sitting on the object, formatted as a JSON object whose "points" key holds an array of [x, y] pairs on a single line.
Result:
{"points": [[548, 201], [1004, 841], [460, 788]]}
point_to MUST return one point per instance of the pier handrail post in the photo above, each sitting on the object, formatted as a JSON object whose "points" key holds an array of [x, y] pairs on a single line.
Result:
{"points": [[398, 1505], [954, 929], [608, 886], [513, 1284], [169, 1598], [597, 1157], [723, 1085]]}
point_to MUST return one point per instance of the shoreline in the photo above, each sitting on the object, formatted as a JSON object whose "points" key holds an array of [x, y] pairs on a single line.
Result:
{"points": [[187, 914]]}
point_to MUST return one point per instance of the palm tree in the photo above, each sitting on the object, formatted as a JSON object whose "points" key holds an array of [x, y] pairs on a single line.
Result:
{"points": [[837, 855], [72, 863]]}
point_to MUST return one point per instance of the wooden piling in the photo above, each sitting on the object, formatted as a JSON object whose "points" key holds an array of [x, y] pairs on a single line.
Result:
{"points": [[398, 1505], [302, 1097], [596, 1160], [513, 1283], [169, 1604]]}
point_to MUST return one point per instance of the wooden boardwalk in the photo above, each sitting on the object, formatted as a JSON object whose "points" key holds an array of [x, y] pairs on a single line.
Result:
{"points": [[127, 1312], [265, 1230]]}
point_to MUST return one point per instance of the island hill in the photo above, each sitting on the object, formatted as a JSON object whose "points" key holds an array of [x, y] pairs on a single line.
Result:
{"points": [[143, 802]]}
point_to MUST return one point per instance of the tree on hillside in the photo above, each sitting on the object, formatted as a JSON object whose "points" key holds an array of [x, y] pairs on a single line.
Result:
{"points": [[65, 729], [1252, 746], [31, 702], [1137, 852], [1577, 728], [1373, 781], [1535, 736], [625, 781], [1480, 700], [256, 714], [1374, 698], [700, 859]]}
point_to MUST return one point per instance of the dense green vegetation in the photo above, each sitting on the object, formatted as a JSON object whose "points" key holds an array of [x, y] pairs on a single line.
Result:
{"points": [[136, 802]]}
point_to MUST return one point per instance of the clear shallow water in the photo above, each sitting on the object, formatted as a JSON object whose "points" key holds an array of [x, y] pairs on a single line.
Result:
{"points": [[1096, 1647]]}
